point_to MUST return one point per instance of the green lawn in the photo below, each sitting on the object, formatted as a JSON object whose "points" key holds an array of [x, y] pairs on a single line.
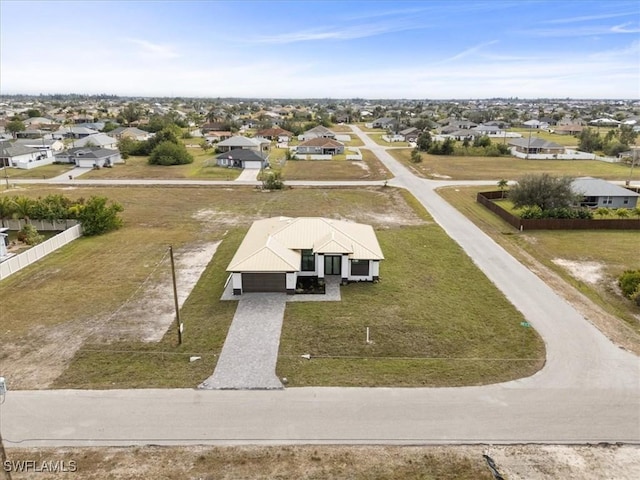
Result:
{"points": [[46, 171], [566, 140], [431, 324], [614, 250], [510, 168]]}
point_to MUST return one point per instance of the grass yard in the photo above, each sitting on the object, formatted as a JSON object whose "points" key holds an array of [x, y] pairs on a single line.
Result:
{"points": [[203, 167], [354, 142], [369, 168], [566, 140], [46, 171], [377, 137], [592, 260], [510, 168], [431, 324]]}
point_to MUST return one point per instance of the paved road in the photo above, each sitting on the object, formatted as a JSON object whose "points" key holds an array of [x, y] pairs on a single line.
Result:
{"points": [[588, 391]]}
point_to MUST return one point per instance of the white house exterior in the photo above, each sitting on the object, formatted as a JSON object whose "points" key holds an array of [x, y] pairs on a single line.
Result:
{"points": [[277, 251], [26, 158]]}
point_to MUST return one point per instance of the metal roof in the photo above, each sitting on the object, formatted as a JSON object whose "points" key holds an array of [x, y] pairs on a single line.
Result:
{"points": [[274, 244], [596, 187]]}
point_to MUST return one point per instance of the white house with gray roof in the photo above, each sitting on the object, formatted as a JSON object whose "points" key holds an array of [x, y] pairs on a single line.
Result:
{"points": [[26, 158], [600, 193], [277, 251]]}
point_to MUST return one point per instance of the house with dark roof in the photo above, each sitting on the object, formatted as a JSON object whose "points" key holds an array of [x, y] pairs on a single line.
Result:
{"points": [[597, 193], [21, 156], [241, 158], [90, 157], [320, 146], [535, 146], [384, 122]]}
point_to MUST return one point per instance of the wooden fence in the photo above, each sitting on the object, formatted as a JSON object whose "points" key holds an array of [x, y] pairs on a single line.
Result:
{"points": [[486, 199]]}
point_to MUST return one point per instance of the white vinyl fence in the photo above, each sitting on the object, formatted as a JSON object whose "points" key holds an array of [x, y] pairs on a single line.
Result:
{"points": [[34, 254]]}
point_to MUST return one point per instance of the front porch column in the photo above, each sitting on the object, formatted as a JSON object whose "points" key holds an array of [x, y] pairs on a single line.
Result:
{"points": [[344, 268], [236, 282], [375, 270], [291, 283], [320, 265]]}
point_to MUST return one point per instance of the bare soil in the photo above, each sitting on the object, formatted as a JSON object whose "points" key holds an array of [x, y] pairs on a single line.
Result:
{"points": [[517, 462]]}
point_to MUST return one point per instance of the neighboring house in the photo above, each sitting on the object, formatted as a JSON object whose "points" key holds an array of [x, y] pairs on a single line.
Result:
{"points": [[129, 132], [73, 132], [4, 242], [410, 134], [276, 251], [241, 158], [275, 134], [320, 146], [217, 136], [317, 132], [259, 145], [212, 127], [88, 157], [605, 122], [461, 124], [41, 123], [537, 124], [383, 122], [488, 130], [599, 193], [568, 129], [42, 144], [98, 140], [26, 158], [535, 146]]}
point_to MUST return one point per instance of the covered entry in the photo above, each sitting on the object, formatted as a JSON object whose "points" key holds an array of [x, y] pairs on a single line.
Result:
{"points": [[264, 282]]}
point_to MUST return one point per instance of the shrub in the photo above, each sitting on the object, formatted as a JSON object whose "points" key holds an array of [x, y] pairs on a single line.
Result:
{"points": [[30, 235], [530, 212], [629, 283], [415, 156], [169, 153], [97, 217], [272, 181], [622, 212]]}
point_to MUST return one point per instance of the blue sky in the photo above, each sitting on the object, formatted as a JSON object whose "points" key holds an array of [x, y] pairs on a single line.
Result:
{"points": [[335, 49]]}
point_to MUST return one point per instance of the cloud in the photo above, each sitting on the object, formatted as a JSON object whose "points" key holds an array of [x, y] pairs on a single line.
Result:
{"points": [[585, 31], [345, 33], [154, 50], [469, 51], [588, 18]]}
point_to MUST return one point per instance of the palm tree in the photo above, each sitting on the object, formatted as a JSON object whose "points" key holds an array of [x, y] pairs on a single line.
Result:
{"points": [[6, 209], [502, 184], [22, 208]]}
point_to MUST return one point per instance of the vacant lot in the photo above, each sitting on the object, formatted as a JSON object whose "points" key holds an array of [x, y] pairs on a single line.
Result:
{"points": [[590, 261], [88, 326], [369, 168], [495, 168], [377, 137], [517, 462]]}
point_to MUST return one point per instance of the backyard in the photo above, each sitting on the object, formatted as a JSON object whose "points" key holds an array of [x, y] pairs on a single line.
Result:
{"points": [[430, 324]]}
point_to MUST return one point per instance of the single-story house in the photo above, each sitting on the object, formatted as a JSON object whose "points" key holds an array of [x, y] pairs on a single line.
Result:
{"points": [[410, 134], [535, 146], [129, 132], [600, 193], [537, 124], [278, 134], [241, 158], [320, 146], [276, 251], [42, 144], [317, 132], [98, 140], [20, 156], [217, 136], [88, 157], [488, 130], [259, 145], [73, 132], [383, 122], [568, 129]]}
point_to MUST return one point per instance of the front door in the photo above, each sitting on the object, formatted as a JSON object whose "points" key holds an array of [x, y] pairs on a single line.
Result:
{"points": [[332, 265]]}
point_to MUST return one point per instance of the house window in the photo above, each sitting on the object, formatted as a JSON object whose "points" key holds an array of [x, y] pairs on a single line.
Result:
{"points": [[625, 200], [308, 261], [360, 267]]}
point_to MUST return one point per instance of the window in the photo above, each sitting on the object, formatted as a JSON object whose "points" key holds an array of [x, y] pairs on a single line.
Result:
{"points": [[626, 201], [308, 261], [360, 268]]}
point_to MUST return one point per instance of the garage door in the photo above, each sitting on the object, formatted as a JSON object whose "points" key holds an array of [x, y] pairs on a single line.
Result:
{"points": [[264, 282], [250, 164]]}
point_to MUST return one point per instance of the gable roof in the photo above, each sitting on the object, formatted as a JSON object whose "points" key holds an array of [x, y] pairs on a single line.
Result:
{"points": [[321, 142], [274, 244], [97, 139], [241, 154], [7, 149], [320, 130], [534, 142], [596, 187], [274, 132], [239, 141]]}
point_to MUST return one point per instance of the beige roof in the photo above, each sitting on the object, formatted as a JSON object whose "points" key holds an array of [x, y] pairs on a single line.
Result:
{"points": [[274, 244]]}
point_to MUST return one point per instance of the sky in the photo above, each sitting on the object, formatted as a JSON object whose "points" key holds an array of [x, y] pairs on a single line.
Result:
{"points": [[453, 49]]}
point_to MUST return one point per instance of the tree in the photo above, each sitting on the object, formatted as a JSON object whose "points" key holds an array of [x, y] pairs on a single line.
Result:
{"points": [[448, 146], [15, 126], [23, 207], [415, 155], [545, 191], [33, 112], [131, 113], [7, 209], [424, 142], [627, 135], [589, 140], [502, 184], [169, 153], [97, 217], [128, 146]]}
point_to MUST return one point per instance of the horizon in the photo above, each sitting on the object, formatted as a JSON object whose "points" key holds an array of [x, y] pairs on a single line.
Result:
{"points": [[420, 50]]}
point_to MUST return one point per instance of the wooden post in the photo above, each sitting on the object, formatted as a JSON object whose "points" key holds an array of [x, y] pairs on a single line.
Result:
{"points": [[175, 296]]}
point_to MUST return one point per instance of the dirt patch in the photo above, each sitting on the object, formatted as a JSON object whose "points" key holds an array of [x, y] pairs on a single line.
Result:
{"points": [[587, 272], [146, 316], [517, 462]]}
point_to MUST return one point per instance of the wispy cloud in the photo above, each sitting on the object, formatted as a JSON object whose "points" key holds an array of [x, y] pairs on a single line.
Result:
{"points": [[154, 50], [585, 31], [469, 51], [337, 33], [589, 18]]}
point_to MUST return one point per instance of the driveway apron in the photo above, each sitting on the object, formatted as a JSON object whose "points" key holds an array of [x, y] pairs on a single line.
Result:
{"points": [[250, 352]]}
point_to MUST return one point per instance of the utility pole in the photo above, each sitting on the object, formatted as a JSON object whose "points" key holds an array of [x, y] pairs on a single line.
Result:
{"points": [[634, 156], [175, 296]]}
